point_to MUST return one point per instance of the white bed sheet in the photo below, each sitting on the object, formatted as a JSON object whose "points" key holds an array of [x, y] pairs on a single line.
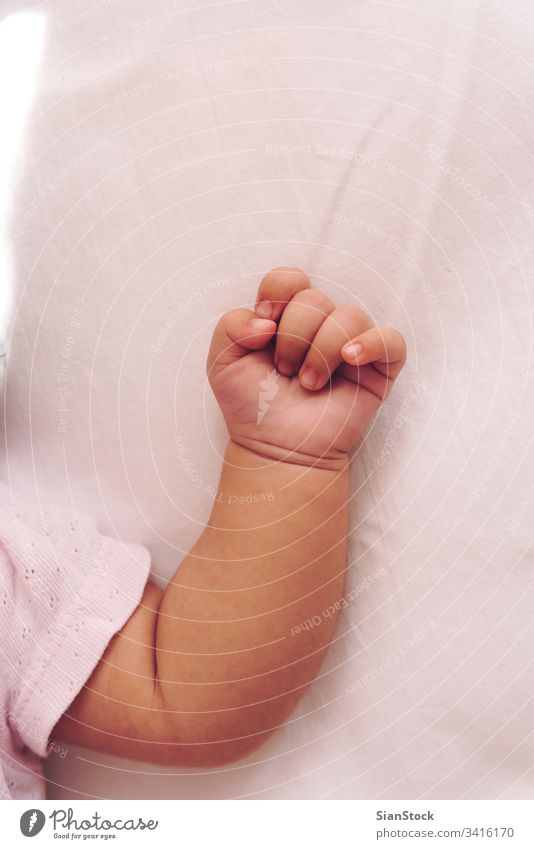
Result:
{"points": [[176, 151]]}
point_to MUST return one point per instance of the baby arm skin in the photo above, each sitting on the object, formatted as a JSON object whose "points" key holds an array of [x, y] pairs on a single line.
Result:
{"points": [[203, 672]]}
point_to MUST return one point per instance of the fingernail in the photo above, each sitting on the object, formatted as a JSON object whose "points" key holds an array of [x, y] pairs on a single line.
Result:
{"points": [[264, 309], [261, 324], [308, 378], [353, 351], [285, 368]]}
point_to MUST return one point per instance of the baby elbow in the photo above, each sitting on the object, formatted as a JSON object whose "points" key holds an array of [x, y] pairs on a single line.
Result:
{"points": [[207, 744]]}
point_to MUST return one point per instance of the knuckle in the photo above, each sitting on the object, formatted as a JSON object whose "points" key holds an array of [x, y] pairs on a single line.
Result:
{"points": [[394, 336], [316, 299], [353, 314], [402, 344], [282, 276], [400, 338], [230, 317], [286, 269]]}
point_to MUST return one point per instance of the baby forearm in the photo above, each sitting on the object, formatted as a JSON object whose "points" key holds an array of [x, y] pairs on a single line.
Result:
{"points": [[231, 660]]}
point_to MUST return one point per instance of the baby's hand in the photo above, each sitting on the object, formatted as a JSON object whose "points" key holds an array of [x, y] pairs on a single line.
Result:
{"points": [[300, 379]]}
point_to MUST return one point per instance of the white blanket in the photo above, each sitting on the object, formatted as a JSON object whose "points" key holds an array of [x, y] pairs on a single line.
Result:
{"points": [[174, 152]]}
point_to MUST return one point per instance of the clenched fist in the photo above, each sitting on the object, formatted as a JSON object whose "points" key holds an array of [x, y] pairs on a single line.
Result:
{"points": [[299, 379]]}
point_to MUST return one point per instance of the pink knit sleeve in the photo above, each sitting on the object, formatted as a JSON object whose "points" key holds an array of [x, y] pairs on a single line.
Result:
{"points": [[67, 591]]}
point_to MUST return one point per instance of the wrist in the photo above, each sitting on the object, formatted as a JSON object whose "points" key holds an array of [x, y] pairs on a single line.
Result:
{"points": [[268, 491], [261, 454]]}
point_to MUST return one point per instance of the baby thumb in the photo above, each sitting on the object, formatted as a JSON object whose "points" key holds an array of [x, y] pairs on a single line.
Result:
{"points": [[237, 333]]}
